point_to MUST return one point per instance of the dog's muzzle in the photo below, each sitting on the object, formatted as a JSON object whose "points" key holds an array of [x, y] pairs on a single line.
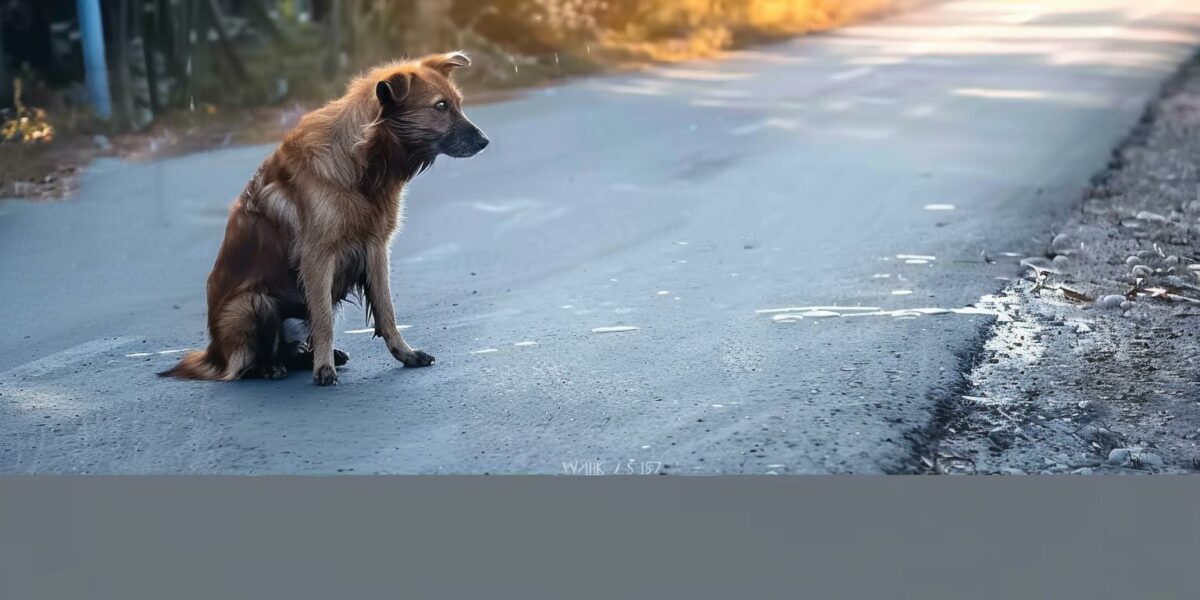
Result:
{"points": [[469, 140]]}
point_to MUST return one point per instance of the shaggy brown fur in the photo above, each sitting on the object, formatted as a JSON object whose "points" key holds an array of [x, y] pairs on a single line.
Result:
{"points": [[316, 221]]}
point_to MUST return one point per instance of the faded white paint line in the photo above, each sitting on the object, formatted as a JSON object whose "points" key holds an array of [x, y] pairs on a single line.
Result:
{"points": [[748, 128], [765, 311], [901, 292], [614, 329], [662, 292], [372, 329], [851, 74], [173, 351], [484, 351], [819, 314], [138, 354], [939, 207], [924, 257], [527, 343], [67, 358], [1006, 94]]}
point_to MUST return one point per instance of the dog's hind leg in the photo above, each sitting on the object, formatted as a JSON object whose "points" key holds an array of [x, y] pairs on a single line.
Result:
{"points": [[248, 333], [267, 333]]}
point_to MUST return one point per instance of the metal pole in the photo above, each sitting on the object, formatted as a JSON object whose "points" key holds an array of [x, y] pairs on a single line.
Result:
{"points": [[91, 28]]}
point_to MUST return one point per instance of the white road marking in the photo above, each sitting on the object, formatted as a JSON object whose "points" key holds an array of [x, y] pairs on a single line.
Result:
{"points": [[614, 329], [851, 74], [767, 311], [372, 329], [69, 357]]}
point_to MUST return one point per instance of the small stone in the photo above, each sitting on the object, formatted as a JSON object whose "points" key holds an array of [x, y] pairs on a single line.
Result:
{"points": [[1061, 262], [1084, 404], [1142, 271], [1150, 459], [1038, 263], [1060, 242], [1120, 456], [1171, 260], [1083, 471], [1001, 438], [1133, 260], [1110, 301], [1127, 305]]}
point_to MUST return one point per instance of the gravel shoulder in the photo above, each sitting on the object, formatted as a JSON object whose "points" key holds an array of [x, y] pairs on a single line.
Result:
{"points": [[1092, 365]]}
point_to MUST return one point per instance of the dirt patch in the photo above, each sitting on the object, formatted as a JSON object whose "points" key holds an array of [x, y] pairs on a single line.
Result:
{"points": [[1094, 367]]}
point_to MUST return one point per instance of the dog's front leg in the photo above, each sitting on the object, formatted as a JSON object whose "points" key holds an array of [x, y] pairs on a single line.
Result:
{"points": [[379, 294], [316, 271]]}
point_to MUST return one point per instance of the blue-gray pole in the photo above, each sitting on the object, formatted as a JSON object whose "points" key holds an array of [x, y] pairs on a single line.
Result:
{"points": [[91, 28]]}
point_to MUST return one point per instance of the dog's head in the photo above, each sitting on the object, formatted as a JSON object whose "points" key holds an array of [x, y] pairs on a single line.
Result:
{"points": [[423, 108]]}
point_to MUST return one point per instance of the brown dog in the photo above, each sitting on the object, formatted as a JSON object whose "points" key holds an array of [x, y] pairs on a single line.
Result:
{"points": [[316, 221]]}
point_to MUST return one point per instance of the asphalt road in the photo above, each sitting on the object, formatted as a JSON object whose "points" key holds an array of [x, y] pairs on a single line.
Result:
{"points": [[678, 200]]}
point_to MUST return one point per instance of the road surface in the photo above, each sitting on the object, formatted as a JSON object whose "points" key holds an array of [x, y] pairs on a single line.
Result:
{"points": [[867, 167]]}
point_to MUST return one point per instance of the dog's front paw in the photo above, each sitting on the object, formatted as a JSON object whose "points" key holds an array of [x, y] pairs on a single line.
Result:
{"points": [[416, 358], [325, 375]]}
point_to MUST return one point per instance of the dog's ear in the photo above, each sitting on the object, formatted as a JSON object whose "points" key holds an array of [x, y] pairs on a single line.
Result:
{"points": [[392, 90], [444, 63]]}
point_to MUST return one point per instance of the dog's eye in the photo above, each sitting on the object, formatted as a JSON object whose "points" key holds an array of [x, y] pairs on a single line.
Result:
{"points": [[441, 106]]}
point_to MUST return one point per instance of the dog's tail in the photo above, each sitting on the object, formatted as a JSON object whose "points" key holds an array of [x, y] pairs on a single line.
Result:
{"points": [[196, 365]]}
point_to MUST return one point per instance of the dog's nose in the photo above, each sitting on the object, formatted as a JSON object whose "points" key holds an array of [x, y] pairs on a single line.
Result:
{"points": [[481, 141]]}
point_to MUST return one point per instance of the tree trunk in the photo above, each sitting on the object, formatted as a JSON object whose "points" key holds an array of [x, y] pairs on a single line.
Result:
{"points": [[333, 23], [122, 88], [5, 81], [427, 30], [147, 20]]}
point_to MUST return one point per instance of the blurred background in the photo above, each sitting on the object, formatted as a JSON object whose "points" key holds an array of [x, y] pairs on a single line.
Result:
{"points": [[156, 59]]}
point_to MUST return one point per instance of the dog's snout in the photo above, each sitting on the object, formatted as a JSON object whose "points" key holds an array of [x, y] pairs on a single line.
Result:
{"points": [[467, 140]]}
